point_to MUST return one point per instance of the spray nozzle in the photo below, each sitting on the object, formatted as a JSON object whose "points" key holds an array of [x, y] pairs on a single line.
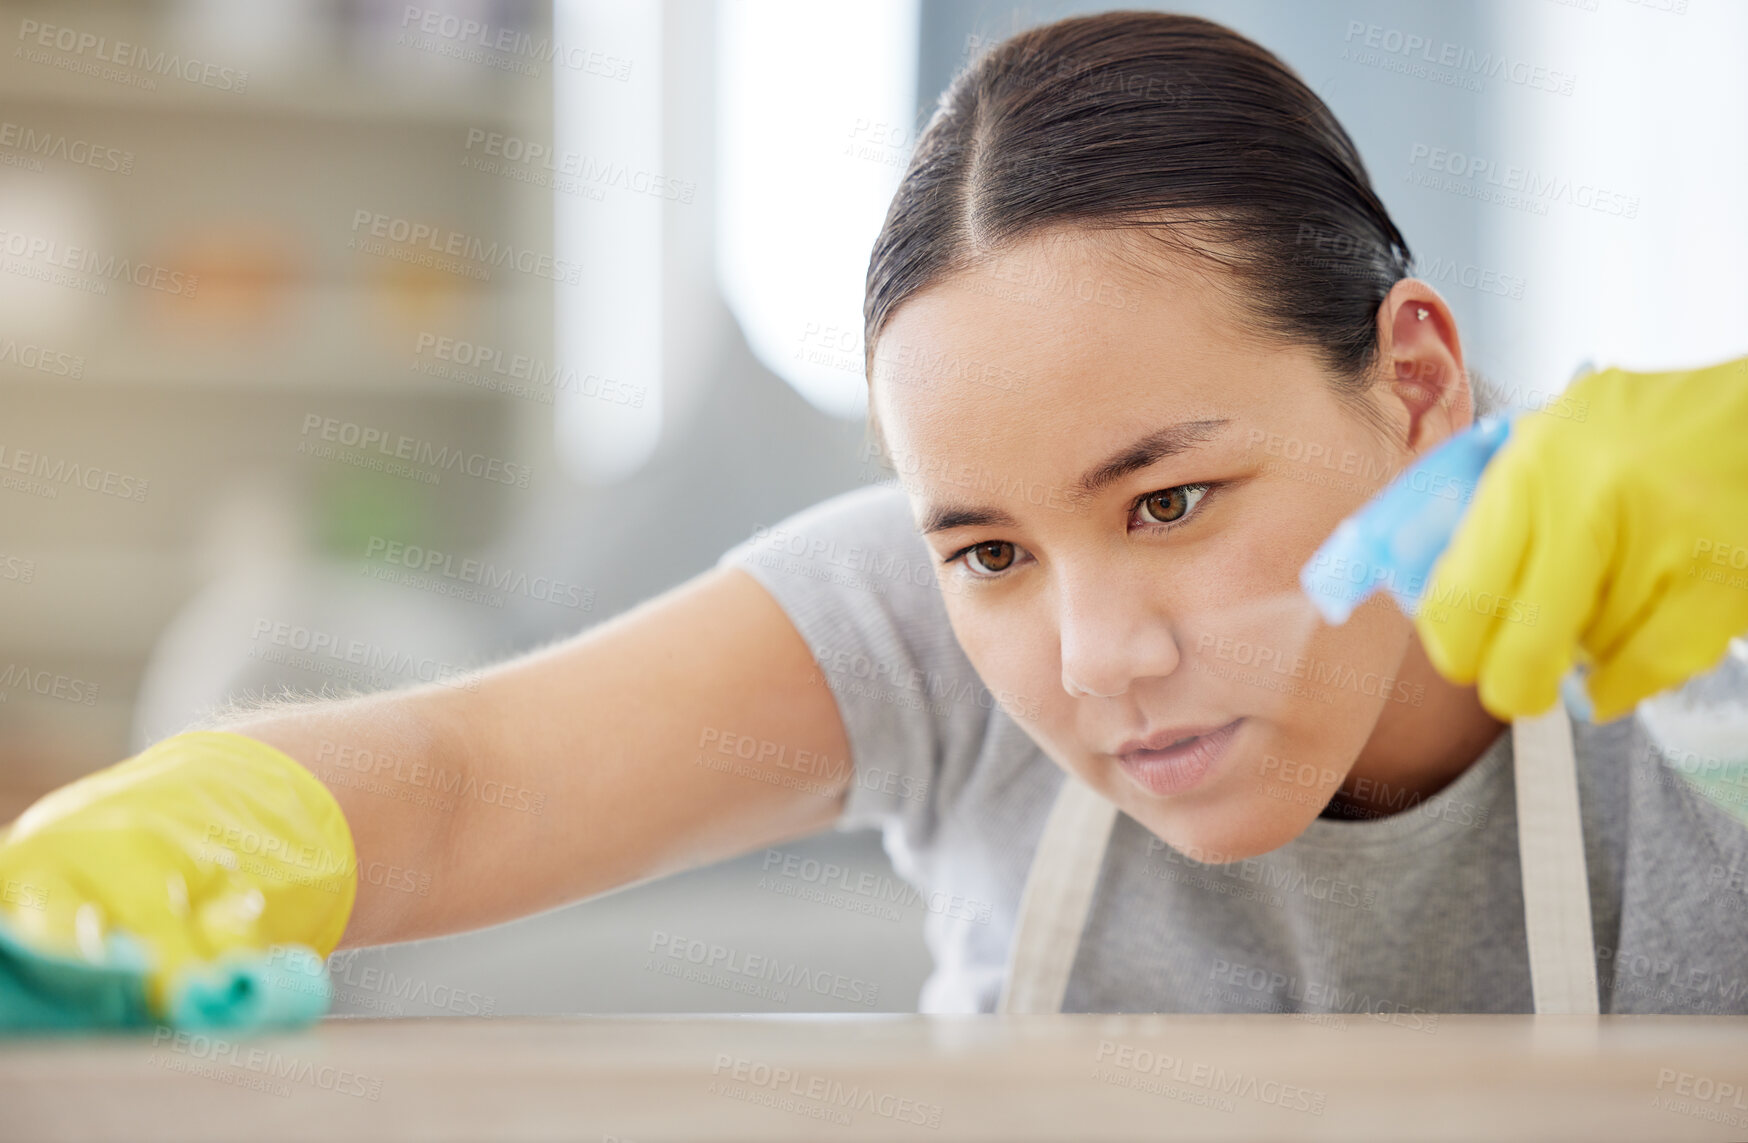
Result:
{"points": [[1394, 540]]}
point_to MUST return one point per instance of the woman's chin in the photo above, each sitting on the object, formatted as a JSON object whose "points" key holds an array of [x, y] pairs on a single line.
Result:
{"points": [[1230, 816], [1217, 834]]}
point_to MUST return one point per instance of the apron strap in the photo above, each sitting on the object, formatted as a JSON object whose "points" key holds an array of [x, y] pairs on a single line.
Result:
{"points": [[1550, 847], [1550, 838], [1058, 895]]}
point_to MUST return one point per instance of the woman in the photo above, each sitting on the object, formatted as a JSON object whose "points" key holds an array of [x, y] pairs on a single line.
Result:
{"points": [[1140, 335]]}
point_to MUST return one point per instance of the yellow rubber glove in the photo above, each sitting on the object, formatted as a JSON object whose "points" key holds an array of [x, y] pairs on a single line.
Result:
{"points": [[1611, 531], [208, 849]]}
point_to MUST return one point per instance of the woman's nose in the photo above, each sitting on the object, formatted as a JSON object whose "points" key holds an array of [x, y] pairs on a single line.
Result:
{"points": [[1111, 635]]}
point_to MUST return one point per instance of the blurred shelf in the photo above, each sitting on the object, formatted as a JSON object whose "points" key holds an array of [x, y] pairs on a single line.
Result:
{"points": [[275, 380], [416, 97], [255, 191], [78, 613], [44, 743], [377, 343]]}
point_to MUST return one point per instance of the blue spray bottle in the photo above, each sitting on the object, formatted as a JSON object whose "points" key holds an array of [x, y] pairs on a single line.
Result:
{"points": [[1393, 542]]}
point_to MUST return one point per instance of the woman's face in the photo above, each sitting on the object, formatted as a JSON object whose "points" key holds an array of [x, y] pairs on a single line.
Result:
{"points": [[1120, 484]]}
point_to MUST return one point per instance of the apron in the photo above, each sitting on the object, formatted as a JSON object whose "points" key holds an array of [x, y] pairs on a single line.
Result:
{"points": [[1550, 842]]}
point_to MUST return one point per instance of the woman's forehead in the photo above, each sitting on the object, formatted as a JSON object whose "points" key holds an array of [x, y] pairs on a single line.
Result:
{"points": [[959, 358], [1054, 302]]}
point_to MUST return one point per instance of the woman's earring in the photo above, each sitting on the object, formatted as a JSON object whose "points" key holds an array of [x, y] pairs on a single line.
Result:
{"points": [[1419, 313]]}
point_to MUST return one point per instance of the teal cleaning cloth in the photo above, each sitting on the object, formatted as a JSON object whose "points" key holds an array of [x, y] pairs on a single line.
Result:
{"points": [[285, 987], [51, 993]]}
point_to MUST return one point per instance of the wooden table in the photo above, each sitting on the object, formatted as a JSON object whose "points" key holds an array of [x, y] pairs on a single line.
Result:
{"points": [[833, 1077]]}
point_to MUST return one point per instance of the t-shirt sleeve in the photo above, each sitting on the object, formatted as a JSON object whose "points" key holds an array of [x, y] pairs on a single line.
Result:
{"points": [[858, 582]]}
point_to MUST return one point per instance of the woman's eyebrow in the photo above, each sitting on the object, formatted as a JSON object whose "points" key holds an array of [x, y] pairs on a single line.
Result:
{"points": [[1148, 450], [946, 517]]}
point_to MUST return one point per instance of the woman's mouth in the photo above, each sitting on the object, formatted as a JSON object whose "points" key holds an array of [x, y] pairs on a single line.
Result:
{"points": [[1180, 766]]}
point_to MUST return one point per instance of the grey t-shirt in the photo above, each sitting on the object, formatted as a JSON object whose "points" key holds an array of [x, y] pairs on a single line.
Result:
{"points": [[1417, 912]]}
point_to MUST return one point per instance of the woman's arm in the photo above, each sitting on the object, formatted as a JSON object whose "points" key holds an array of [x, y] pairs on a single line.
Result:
{"points": [[579, 767]]}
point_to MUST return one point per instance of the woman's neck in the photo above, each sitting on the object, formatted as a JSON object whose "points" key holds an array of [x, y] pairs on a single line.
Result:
{"points": [[1416, 751]]}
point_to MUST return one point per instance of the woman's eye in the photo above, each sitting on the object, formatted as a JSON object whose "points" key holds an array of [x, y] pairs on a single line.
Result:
{"points": [[1171, 505], [1166, 508], [991, 558]]}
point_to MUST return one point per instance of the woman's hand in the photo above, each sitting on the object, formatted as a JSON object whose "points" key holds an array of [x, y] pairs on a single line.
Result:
{"points": [[1610, 530], [195, 883]]}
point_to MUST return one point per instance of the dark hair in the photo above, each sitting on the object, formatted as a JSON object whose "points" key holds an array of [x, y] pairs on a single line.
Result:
{"points": [[1166, 122]]}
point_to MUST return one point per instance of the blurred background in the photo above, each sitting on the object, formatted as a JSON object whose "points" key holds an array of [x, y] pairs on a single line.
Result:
{"points": [[349, 344]]}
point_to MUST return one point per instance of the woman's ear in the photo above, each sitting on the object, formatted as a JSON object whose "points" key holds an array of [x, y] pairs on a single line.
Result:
{"points": [[1423, 362]]}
